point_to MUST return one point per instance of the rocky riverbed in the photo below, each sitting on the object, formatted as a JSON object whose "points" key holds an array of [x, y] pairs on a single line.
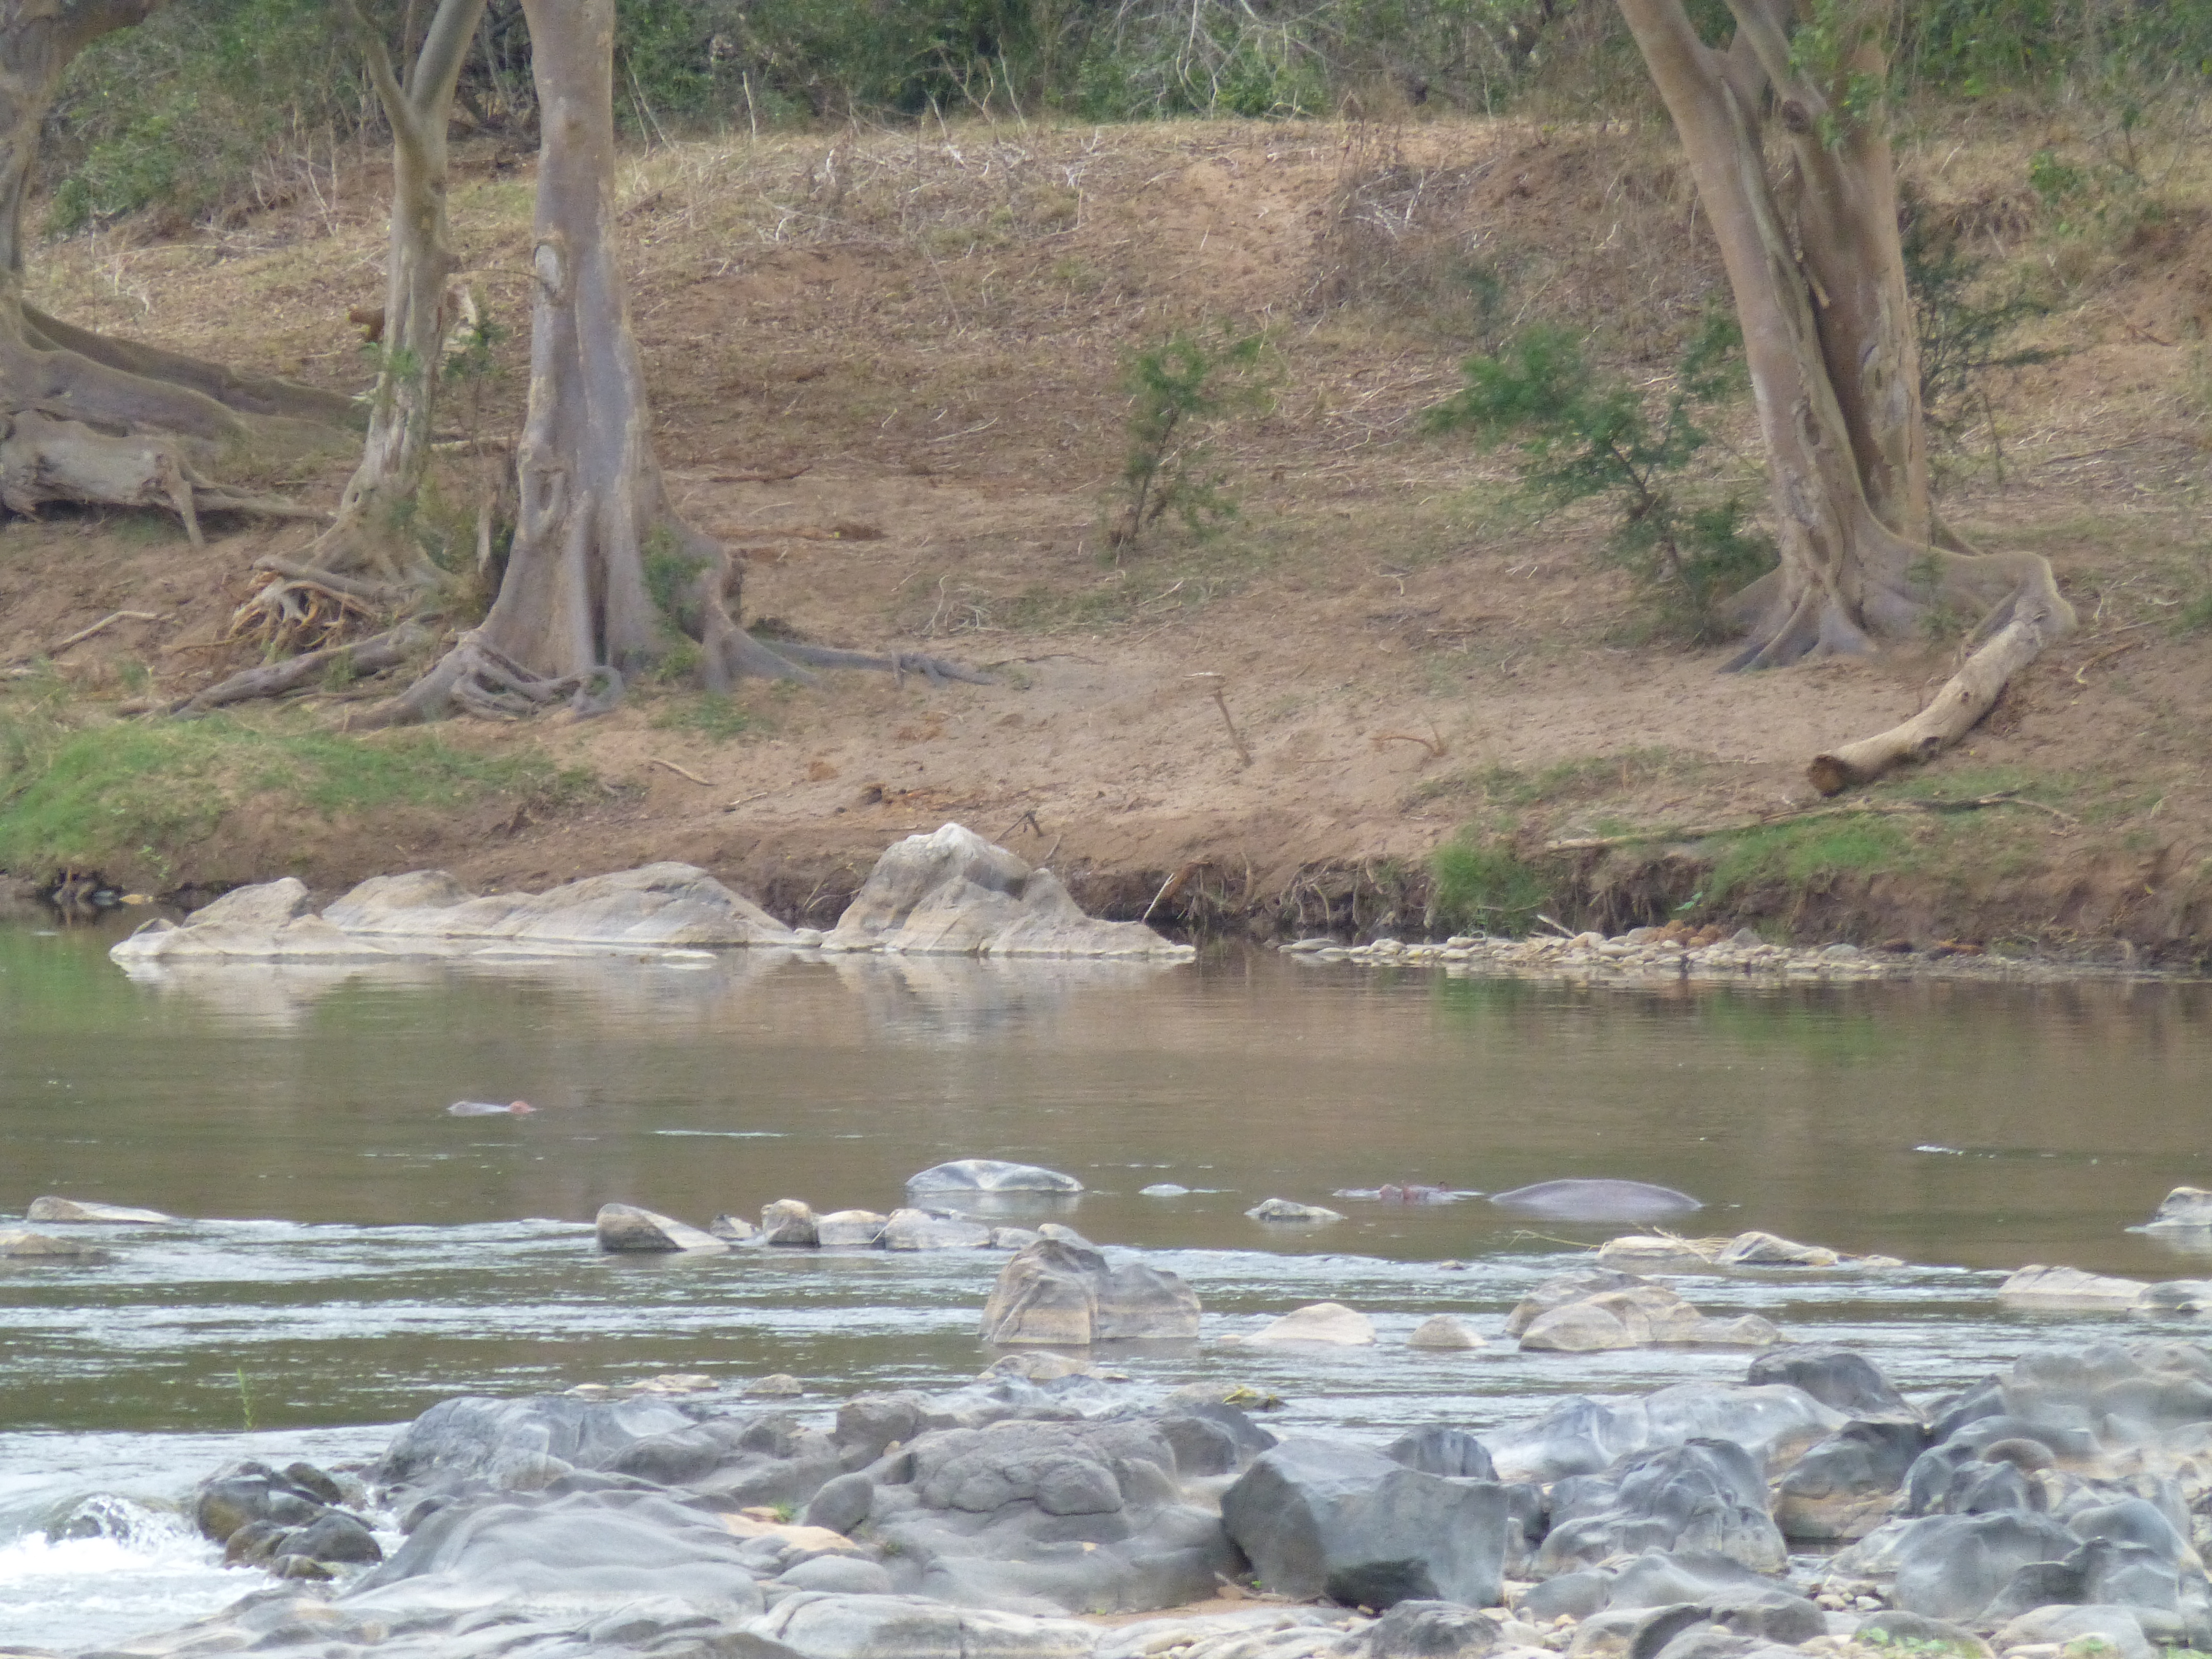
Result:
{"points": [[2053, 1508]]}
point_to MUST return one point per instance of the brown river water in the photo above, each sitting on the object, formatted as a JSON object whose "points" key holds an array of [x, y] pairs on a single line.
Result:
{"points": [[351, 1252]]}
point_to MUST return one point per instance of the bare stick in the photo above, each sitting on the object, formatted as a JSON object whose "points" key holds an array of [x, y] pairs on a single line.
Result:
{"points": [[670, 766], [1172, 885], [109, 620], [1434, 743], [1221, 702]]}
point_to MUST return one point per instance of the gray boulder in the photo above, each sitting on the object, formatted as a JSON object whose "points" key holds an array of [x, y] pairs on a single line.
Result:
{"points": [[1027, 1515], [1838, 1376], [1847, 1484], [1656, 1578], [1328, 1322], [1894, 1627], [1443, 1333], [627, 1227], [1440, 1448], [952, 893], [1063, 1295], [1639, 1316], [1706, 1495], [1561, 1289], [849, 1229], [2184, 1209], [1774, 1422], [990, 1174], [1954, 1566], [20, 1244], [789, 1221], [1597, 1201], [1285, 1209], [1432, 1630], [656, 906], [55, 1210], [1323, 1517], [923, 1229]]}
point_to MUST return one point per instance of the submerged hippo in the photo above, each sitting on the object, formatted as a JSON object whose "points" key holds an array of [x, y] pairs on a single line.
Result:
{"points": [[1597, 1201]]}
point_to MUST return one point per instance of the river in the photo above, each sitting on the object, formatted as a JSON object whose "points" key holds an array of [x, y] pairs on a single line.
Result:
{"points": [[356, 1253]]}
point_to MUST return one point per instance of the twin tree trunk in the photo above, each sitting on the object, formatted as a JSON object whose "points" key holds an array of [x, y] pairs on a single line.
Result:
{"points": [[1834, 367]]}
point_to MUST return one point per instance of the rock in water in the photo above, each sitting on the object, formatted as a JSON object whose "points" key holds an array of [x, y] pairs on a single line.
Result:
{"points": [[848, 1228], [790, 1221], [1065, 1296], [18, 1245], [1323, 1321], [2069, 1287], [954, 894], [1283, 1209], [54, 1210], [990, 1174], [922, 1229], [625, 1227], [1444, 1332], [1323, 1517], [1597, 1201], [2183, 1207], [489, 1108]]}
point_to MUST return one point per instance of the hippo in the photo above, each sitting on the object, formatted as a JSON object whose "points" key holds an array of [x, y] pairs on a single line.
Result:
{"points": [[1597, 1201]]}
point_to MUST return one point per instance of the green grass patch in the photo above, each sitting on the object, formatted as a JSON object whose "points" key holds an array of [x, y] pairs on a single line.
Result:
{"points": [[1799, 854], [141, 794], [1488, 884], [715, 714]]}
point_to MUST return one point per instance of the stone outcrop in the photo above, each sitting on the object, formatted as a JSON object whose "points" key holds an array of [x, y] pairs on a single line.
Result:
{"points": [[2184, 1209], [1705, 1495], [952, 893], [659, 906], [1774, 1422], [1066, 1295], [291, 1520]]}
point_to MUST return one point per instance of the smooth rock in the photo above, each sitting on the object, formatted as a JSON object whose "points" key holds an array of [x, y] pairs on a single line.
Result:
{"points": [[1432, 1630], [1441, 1449], [1442, 1332], [52, 1211], [1580, 1436], [1835, 1376], [1894, 1628], [627, 1227], [1847, 1485], [990, 1174], [1283, 1209], [1327, 1517], [2110, 1632], [736, 1229], [1770, 1250], [1321, 1321], [662, 906], [2069, 1287], [1702, 1495], [17, 1244], [1561, 1289], [919, 1230], [954, 893], [2188, 1208], [1639, 1253], [848, 1229], [1164, 1189], [1063, 1295], [789, 1221], [841, 1626], [1597, 1201]]}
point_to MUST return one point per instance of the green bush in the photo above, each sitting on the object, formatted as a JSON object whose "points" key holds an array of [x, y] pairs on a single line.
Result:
{"points": [[1584, 436], [1486, 884]]}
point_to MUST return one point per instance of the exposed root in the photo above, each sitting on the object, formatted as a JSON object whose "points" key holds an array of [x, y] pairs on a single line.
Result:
{"points": [[478, 679], [362, 657], [293, 614]]}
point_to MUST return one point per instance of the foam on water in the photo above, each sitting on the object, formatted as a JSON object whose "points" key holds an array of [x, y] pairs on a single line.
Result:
{"points": [[144, 1570]]}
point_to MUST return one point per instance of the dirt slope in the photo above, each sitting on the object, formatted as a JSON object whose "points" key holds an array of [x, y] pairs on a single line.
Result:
{"points": [[925, 331]]}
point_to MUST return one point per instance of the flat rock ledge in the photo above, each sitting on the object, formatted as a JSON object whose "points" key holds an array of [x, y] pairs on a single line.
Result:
{"points": [[1645, 955], [2052, 1510], [948, 894]]}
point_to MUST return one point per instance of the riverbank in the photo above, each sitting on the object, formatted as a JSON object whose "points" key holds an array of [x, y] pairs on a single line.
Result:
{"points": [[903, 406]]}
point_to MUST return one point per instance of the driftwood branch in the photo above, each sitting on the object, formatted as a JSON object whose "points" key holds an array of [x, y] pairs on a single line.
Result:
{"points": [[1862, 809], [105, 622]]}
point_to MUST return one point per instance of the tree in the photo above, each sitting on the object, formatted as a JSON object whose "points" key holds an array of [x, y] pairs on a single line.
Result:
{"points": [[596, 539], [89, 418], [1828, 337]]}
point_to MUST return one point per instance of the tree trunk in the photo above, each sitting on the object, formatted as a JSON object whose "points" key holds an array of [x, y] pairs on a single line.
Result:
{"points": [[83, 418], [417, 316], [1834, 368]]}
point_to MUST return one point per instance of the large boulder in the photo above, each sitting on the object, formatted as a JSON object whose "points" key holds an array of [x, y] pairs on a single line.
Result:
{"points": [[1639, 1316], [1708, 1495], [926, 1229], [268, 922], [2038, 1286], [1063, 1295], [1324, 1517], [1847, 1485], [20, 1244], [1031, 1516], [1330, 1322], [1597, 1201], [973, 1175], [1838, 1376], [657, 906], [1656, 1578], [624, 1228], [1774, 1422], [52, 1210], [952, 893]]}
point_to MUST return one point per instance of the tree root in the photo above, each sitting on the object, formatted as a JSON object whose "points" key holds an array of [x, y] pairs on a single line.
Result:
{"points": [[369, 656], [480, 679]]}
